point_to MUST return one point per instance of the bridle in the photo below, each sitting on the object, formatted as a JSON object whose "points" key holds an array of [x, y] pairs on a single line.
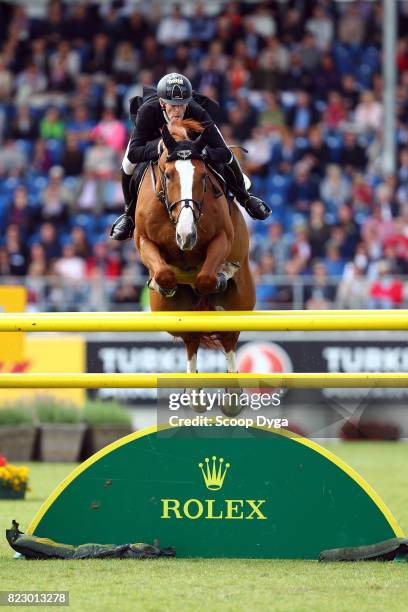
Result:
{"points": [[195, 205]]}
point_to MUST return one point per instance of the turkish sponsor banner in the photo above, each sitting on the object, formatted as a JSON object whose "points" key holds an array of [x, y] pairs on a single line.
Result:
{"points": [[264, 356]]}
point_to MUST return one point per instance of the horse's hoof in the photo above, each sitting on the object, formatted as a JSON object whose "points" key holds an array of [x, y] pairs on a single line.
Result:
{"points": [[231, 406], [166, 279], [167, 293], [222, 282], [206, 284], [198, 407]]}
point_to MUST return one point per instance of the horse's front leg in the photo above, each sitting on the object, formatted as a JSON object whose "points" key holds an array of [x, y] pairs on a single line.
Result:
{"points": [[160, 271], [217, 253]]}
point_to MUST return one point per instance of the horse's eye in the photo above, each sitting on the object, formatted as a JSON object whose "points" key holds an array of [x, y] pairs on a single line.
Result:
{"points": [[167, 175]]}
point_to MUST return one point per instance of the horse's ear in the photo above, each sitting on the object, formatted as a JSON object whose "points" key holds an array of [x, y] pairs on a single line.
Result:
{"points": [[168, 139]]}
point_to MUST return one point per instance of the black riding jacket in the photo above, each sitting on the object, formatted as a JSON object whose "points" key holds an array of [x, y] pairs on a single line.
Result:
{"points": [[148, 118]]}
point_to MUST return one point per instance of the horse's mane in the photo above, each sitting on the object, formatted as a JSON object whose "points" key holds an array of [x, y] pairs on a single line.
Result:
{"points": [[184, 128]]}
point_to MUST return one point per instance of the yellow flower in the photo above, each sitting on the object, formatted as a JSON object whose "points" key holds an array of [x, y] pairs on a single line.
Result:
{"points": [[14, 477]]}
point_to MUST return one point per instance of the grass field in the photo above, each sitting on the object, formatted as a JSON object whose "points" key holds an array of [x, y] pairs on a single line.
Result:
{"points": [[235, 585]]}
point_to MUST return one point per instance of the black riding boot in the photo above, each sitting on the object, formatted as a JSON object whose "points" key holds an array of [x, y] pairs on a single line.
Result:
{"points": [[124, 226], [254, 206]]}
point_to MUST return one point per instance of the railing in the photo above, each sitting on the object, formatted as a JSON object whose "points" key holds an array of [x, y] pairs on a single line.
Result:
{"points": [[200, 321], [56, 294]]}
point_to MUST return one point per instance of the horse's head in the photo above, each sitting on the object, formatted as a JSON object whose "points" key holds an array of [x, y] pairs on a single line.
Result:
{"points": [[184, 179]]}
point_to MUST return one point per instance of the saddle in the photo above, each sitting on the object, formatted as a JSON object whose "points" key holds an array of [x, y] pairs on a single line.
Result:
{"points": [[137, 178]]}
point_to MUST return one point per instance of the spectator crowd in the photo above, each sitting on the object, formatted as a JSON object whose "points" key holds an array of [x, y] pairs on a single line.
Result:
{"points": [[299, 86]]}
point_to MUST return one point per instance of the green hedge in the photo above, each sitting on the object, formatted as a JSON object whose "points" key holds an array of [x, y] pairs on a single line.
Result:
{"points": [[96, 412], [16, 415], [55, 412], [51, 411]]}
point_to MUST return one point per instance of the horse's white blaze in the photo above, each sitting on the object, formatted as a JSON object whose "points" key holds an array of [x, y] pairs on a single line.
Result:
{"points": [[231, 362], [185, 225], [186, 172]]}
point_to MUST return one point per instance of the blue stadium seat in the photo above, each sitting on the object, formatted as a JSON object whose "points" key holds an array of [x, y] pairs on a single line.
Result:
{"points": [[65, 238], [4, 204], [8, 185], [258, 184], [25, 146], [55, 149], [364, 75], [88, 222], [40, 182], [276, 190], [371, 57], [71, 182], [33, 239], [343, 59]]}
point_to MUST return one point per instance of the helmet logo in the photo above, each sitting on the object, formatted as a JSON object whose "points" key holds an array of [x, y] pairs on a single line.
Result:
{"points": [[183, 154], [176, 93], [175, 80]]}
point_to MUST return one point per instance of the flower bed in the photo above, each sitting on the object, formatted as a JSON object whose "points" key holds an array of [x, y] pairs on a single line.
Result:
{"points": [[13, 480]]}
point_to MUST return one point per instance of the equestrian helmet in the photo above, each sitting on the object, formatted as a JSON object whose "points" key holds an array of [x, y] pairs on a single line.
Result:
{"points": [[175, 89]]}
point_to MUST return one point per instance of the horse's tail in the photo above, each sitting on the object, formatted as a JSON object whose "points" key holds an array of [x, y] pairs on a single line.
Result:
{"points": [[211, 341]]}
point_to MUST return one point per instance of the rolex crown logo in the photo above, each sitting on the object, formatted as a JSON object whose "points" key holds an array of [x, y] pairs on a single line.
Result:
{"points": [[214, 474]]}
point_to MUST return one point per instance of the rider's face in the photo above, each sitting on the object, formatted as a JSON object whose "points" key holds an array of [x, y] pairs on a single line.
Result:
{"points": [[174, 112]]}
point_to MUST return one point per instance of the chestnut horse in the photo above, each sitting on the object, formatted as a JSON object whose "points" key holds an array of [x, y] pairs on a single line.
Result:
{"points": [[193, 241]]}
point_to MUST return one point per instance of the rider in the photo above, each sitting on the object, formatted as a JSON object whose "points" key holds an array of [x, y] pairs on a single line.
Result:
{"points": [[175, 99]]}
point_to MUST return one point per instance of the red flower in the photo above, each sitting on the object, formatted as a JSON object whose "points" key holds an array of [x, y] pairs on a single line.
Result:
{"points": [[3, 460]]}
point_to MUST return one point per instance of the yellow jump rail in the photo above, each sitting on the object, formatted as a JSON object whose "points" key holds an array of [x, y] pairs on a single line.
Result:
{"points": [[204, 380], [340, 320]]}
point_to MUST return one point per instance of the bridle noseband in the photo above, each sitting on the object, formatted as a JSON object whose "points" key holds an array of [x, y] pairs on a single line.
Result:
{"points": [[195, 205]]}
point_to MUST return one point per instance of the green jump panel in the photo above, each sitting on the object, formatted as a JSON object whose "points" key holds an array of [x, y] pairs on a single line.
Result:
{"points": [[243, 493]]}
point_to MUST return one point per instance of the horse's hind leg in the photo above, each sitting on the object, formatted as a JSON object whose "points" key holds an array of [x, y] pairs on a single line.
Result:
{"points": [[231, 405], [192, 342]]}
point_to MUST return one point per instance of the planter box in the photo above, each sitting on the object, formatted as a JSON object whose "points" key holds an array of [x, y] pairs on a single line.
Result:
{"points": [[17, 442], [7, 493], [99, 436], [61, 441]]}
